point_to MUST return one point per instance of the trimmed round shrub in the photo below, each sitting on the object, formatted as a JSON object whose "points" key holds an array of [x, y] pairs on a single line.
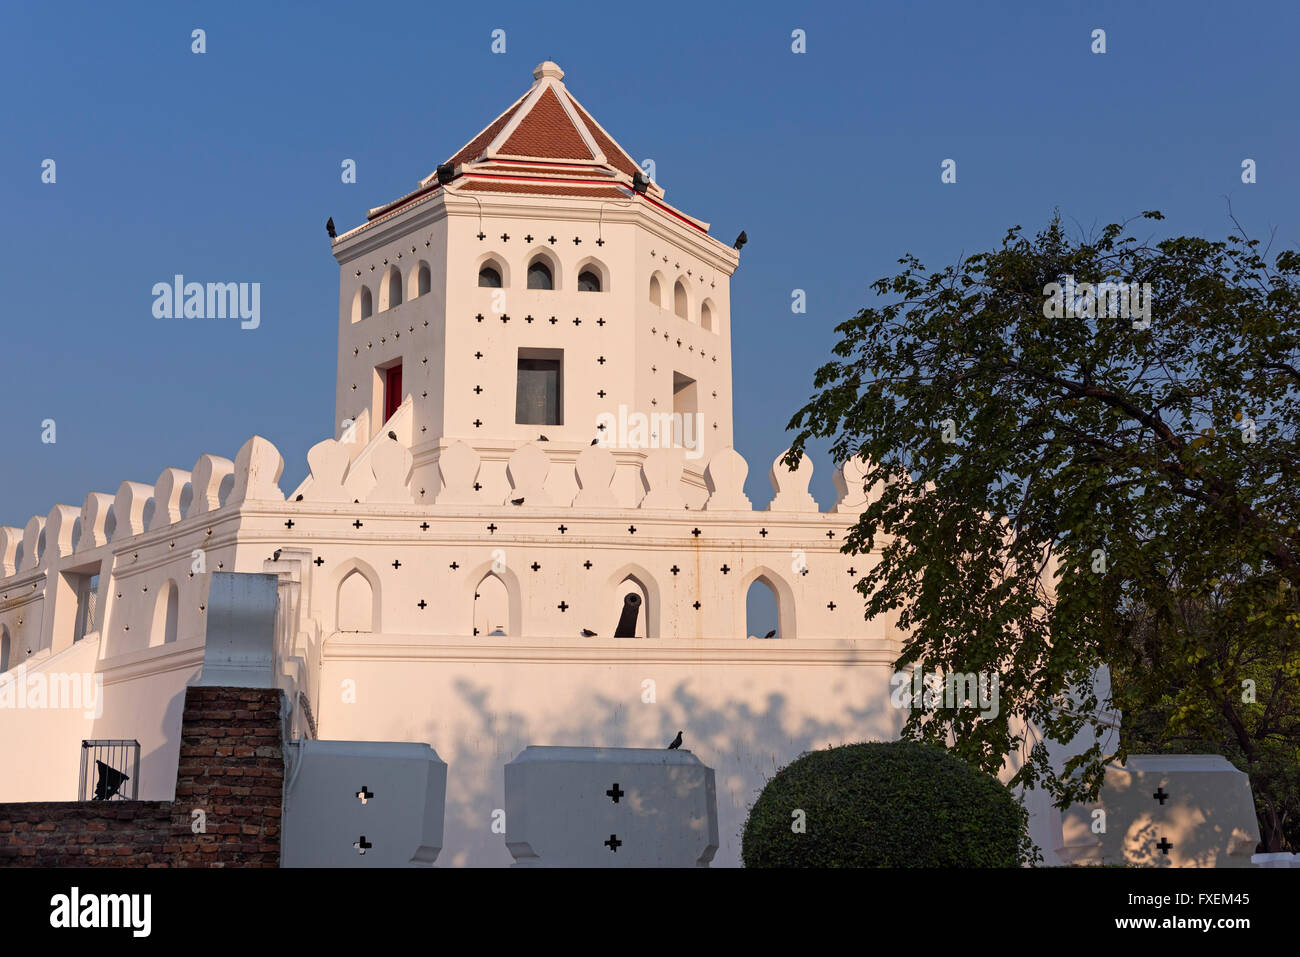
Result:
{"points": [[890, 804]]}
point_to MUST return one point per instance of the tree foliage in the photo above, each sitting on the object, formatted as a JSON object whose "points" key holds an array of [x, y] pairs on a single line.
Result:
{"points": [[1058, 492]]}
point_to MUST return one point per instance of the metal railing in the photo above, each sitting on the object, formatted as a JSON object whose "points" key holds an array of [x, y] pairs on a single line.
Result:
{"points": [[110, 770]]}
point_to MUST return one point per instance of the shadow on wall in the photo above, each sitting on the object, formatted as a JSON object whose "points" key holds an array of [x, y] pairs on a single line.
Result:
{"points": [[744, 745]]}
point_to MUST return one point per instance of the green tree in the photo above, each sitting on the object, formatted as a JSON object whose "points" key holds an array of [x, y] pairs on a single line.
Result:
{"points": [[1061, 482]]}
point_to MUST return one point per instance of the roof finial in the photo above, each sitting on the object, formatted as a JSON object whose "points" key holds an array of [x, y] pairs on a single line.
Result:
{"points": [[548, 68]]}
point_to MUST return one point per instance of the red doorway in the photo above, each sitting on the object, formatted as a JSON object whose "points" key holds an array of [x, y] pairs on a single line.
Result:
{"points": [[392, 390]]}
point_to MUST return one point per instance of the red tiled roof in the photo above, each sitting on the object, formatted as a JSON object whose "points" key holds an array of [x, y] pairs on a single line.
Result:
{"points": [[614, 154], [475, 147], [547, 131]]}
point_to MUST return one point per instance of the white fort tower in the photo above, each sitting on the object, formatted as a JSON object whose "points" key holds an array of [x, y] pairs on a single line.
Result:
{"points": [[442, 570]]}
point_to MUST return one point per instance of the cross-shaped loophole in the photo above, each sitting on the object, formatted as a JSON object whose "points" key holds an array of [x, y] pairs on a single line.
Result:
{"points": [[365, 794], [615, 792], [362, 845], [613, 843]]}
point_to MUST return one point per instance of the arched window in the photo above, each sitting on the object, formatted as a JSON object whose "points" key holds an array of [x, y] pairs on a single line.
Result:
{"points": [[636, 613], [489, 276], [706, 316], [423, 280], [390, 293], [766, 602], [4, 649], [165, 616], [679, 299], [355, 603], [362, 305], [539, 275], [762, 619], [656, 292], [588, 281], [491, 607]]}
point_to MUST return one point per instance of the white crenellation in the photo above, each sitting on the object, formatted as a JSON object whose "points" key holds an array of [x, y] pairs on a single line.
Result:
{"points": [[791, 486], [209, 481], [725, 478], [168, 492], [257, 472]]}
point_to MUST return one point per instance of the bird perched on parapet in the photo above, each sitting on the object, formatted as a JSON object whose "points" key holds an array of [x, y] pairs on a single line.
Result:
{"points": [[677, 742], [275, 555], [516, 501], [595, 441], [542, 438], [740, 241], [771, 634], [393, 436], [298, 498], [329, 228], [588, 633]]}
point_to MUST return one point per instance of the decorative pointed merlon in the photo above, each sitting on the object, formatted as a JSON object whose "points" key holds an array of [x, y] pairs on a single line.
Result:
{"points": [[662, 473], [725, 478], [595, 472], [391, 463], [207, 479], [128, 509], [328, 461], [257, 472], [527, 471], [59, 528], [167, 493], [94, 520], [10, 537], [849, 479], [32, 552], [458, 464], [791, 486]]}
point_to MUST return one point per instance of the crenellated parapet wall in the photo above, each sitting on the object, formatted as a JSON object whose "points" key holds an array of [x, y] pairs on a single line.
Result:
{"points": [[550, 552]]}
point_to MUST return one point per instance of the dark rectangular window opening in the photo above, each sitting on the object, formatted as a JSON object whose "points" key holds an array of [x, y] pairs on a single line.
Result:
{"points": [[392, 390], [539, 387]]}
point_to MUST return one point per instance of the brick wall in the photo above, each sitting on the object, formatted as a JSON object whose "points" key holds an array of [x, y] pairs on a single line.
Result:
{"points": [[231, 768]]}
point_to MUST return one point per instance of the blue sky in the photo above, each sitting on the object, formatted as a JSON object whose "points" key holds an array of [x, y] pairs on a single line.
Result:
{"points": [[224, 166]]}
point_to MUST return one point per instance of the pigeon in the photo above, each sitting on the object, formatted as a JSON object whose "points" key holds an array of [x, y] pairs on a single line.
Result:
{"points": [[677, 742], [329, 228], [588, 633], [516, 501], [740, 241], [595, 441], [771, 634], [275, 556], [299, 498], [542, 438], [393, 436]]}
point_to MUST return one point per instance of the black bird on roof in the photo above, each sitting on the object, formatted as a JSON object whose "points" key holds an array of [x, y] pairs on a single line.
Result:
{"points": [[516, 501], [677, 742], [329, 228], [542, 438], [595, 441], [740, 241], [275, 555], [393, 436], [588, 633], [771, 634], [298, 498]]}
